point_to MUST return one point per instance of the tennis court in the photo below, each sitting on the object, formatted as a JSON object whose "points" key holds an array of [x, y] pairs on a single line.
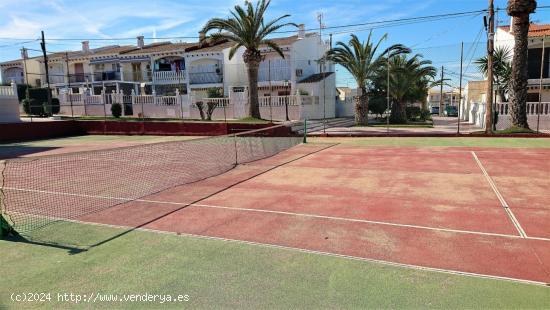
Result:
{"points": [[453, 209], [465, 212], [446, 206]]}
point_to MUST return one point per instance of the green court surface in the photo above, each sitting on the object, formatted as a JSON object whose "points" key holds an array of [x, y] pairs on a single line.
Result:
{"points": [[440, 141], [226, 274]]}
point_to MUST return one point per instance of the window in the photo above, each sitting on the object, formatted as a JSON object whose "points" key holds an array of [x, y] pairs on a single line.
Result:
{"points": [[299, 72]]}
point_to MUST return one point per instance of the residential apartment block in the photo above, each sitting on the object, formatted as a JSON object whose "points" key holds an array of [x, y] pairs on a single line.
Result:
{"points": [[164, 68]]}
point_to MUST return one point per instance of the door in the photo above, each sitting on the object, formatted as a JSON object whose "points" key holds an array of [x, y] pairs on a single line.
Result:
{"points": [[136, 71], [79, 72]]}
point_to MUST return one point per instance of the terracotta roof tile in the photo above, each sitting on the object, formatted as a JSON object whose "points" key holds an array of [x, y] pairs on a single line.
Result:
{"points": [[160, 47], [535, 30]]}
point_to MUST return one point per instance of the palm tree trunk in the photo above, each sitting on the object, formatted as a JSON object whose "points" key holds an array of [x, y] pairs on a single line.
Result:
{"points": [[362, 108], [398, 113], [254, 105], [519, 76]]}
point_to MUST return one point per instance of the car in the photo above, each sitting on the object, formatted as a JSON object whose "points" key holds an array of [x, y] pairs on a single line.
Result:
{"points": [[451, 111], [434, 110]]}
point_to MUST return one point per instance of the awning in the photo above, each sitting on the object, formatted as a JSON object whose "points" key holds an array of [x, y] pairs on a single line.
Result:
{"points": [[104, 60], [136, 59]]}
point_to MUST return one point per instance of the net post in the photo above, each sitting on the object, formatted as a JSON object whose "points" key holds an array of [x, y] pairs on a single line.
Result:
{"points": [[5, 227], [305, 131]]}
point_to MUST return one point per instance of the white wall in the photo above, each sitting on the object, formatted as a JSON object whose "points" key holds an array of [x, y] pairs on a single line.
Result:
{"points": [[9, 104]]}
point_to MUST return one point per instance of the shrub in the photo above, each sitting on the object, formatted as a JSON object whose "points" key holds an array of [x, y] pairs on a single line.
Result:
{"points": [[22, 91], [214, 92], [425, 115], [378, 105], [31, 107], [116, 109], [303, 92], [49, 110], [413, 113], [39, 94]]}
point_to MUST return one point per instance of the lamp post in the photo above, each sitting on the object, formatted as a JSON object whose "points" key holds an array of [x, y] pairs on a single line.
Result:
{"points": [[285, 84]]}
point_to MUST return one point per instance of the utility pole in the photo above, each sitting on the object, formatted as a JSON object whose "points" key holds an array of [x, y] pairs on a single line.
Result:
{"points": [[321, 65], [69, 90], [460, 88], [441, 91], [49, 92], [539, 107], [490, 50]]}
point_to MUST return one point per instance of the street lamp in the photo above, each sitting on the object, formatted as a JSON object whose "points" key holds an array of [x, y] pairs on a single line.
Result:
{"points": [[285, 84]]}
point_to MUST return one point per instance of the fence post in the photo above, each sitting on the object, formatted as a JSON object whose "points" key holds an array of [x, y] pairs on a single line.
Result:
{"points": [[178, 100]]}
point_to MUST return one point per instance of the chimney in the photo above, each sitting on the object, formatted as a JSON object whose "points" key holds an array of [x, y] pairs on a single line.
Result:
{"points": [[86, 46], [301, 31], [24, 53], [140, 42]]}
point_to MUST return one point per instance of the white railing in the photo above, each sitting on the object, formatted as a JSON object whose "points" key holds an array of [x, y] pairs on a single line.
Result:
{"points": [[278, 73], [169, 76], [220, 102], [8, 91], [533, 108], [93, 99], [276, 101]]}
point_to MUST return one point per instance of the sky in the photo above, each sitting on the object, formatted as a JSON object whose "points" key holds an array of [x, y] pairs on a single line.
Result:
{"points": [[22, 20]]}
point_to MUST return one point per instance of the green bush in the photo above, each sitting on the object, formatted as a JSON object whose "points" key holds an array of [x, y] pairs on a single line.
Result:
{"points": [[378, 105], [32, 107], [39, 94], [413, 113], [116, 109], [214, 92], [22, 91], [425, 115], [49, 110]]}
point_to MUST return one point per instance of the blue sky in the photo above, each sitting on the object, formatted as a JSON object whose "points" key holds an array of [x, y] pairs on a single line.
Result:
{"points": [[438, 40]]}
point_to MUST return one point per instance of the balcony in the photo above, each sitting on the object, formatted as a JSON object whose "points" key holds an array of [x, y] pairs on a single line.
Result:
{"points": [[169, 77], [278, 73], [107, 76], [137, 76], [80, 78], [205, 78]]}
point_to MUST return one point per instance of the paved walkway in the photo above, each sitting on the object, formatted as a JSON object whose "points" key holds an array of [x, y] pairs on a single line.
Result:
{"points": [[442, 125]]}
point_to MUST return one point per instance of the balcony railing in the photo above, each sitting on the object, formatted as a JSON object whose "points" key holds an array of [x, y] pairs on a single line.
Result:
{"points": [[205, 77], [137, 76], [279, 73], [107, 76], [80, 78], [169, 76]]}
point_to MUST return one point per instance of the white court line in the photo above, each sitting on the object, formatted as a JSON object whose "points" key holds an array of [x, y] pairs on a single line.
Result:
{"points": [[322, 253], [291, 214], [500, 198]]}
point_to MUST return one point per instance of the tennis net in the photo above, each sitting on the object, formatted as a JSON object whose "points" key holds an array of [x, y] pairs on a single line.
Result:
{"points": [[37, 191]]}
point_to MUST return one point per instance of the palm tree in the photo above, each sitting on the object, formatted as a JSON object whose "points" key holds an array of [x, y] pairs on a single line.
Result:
{"points": [[520, 10], [361, 60], [410, 80], [246, 28], [502, 67]]}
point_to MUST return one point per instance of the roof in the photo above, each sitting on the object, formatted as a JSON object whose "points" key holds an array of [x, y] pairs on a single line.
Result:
{"points": [[535, 30], [114, 50], [317, 77], [159, 47]]}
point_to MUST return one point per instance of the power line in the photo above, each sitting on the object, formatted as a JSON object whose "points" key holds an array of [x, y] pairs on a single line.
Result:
{"points": [[380, 23]]}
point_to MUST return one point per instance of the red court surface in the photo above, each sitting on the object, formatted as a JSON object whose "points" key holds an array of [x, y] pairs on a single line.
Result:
{"points": [[426, 207]]}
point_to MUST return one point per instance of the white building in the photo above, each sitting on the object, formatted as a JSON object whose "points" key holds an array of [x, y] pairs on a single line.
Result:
{"points": [[189, 69]]}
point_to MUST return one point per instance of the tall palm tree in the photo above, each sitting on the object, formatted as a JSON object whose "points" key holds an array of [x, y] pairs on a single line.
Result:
{"points": [[410, 80], [362, 61], [502, 68], [246, 28], [520, 10]]}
